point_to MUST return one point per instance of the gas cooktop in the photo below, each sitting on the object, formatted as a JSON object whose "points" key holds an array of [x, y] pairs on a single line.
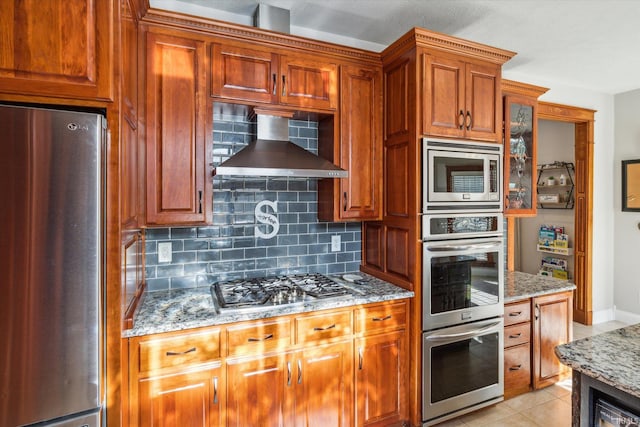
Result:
{"points": [[265, 292]]}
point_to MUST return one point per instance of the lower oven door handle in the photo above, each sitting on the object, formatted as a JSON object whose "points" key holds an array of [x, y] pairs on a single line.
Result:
{"points": [[465, 334], [447, 248]]}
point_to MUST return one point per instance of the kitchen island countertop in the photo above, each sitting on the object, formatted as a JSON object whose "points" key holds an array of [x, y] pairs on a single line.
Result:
{"points": [[611, 357], [519, 286], [180, 309]]}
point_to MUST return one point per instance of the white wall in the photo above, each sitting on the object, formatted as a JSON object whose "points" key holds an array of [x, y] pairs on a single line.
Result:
{"points": [[556, 142], [605, 189], [626, 254]]}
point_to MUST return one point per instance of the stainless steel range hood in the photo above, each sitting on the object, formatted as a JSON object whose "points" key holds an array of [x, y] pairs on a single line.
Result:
{"points": [[272, 154]]}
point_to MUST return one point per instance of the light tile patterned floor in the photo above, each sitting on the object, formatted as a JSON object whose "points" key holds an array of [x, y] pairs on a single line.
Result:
{"points": [[548, 407]]}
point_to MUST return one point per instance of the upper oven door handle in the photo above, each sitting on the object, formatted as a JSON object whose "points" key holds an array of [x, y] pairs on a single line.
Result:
{"points": [[465, 247], [466, 334]]}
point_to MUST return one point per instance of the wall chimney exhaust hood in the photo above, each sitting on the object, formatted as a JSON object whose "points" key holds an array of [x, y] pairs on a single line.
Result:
{"points": [[272, 154]]}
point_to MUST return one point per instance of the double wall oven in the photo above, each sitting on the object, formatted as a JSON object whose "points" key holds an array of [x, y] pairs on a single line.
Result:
{"points": [[463, 278]]}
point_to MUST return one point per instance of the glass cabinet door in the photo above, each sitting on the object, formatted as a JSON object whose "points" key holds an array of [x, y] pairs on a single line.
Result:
{"points": [[520, 155]]}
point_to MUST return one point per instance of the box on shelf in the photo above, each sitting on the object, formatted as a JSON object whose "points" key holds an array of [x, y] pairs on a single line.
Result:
{"points": [[548, 198]]}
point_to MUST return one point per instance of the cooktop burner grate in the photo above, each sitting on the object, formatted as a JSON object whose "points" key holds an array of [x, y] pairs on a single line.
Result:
{"points": [[275, 290]]}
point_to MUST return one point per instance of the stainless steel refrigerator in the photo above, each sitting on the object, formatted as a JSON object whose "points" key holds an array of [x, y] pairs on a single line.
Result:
{"points": [[51, 275]]}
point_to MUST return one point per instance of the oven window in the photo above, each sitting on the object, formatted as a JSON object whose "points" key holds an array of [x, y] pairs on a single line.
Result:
{"points": [[464, 281], [464, 366], [458, 175]]}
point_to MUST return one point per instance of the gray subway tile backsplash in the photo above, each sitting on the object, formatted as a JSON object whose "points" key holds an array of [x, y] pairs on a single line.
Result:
{"points": [[230, 248]]}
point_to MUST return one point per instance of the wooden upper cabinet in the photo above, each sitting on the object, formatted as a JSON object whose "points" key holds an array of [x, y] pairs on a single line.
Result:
{"points": [[131, 143], [308, 81], [245, 74], [177, 112], [520, 146], [520, 155], [358, 150], [462, 99], [253, 74], [61, 49]]}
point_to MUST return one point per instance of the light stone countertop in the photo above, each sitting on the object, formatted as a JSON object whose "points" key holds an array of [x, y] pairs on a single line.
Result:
{"points": [[179, 309], [611, 357], [519, 286]]}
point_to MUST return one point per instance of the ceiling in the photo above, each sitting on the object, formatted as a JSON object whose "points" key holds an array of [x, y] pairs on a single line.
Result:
{"points": [[590, 44]]}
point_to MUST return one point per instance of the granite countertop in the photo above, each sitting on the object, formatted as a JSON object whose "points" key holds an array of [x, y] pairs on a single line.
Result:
{"points": [[519, 285], [612, 358], [179, 309]]}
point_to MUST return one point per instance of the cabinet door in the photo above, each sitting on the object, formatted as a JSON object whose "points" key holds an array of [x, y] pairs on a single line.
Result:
{"points": [[177, 184], [520, 155], [323, 385], [57, 49], [483, 116], [461, 99], [244, 74], [444, 96], [361, 143], [381, 379], [359, 150], [131, 148], [187, 400], [259, 392], [308, 82], [552, 326]]}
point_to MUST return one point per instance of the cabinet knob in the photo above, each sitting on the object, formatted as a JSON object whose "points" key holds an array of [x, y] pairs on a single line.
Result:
{"points": [[461, 120]]}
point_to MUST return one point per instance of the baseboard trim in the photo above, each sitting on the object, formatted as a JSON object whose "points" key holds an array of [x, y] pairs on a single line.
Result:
{"points": [[602, 316], [626, 317]]}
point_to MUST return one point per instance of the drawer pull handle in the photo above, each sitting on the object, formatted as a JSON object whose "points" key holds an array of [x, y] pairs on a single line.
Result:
{"points": [[180, 353], [299, 371], [324, 329], [381, 319], [360, 358], [515, 335], [215, 390], [515, 368], [266, 338], [288, 373], [515, 313]]}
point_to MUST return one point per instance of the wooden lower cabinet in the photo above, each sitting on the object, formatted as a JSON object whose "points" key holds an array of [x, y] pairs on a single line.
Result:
{"points": [[322, 385], [380, 379], [212, 377], [185, 399], [533, 328], [517, 348], [552, 326], [257, 392]]}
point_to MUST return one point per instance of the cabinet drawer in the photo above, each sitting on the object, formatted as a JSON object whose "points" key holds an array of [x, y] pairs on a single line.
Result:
{"points": [[517, 313], [517, 334], [381, 317], [323, 326], [258, 337], [517, 369], [180, 350]]}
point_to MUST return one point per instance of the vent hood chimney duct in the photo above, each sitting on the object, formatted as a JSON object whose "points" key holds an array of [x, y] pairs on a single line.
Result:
{"points": [[272, 154]]}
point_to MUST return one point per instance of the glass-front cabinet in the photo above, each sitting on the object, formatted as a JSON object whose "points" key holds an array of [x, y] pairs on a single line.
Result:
{"points": [[520, 155]]}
